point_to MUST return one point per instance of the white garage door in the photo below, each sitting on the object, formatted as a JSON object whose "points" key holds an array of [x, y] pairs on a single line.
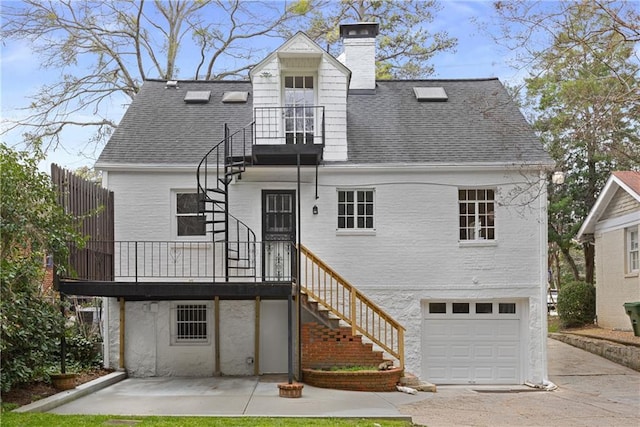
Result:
{"points": [[471, 342]]}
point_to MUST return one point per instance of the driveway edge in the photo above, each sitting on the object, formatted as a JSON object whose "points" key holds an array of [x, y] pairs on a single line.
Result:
{"points": [[625, 355], [61, 398]]}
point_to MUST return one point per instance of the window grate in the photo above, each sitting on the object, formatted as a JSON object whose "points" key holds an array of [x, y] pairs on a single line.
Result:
{"points": [[191, 323]]}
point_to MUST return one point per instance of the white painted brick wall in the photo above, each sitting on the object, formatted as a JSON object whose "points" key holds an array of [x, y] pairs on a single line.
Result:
{"points": [[360, 58], [414, 253]]}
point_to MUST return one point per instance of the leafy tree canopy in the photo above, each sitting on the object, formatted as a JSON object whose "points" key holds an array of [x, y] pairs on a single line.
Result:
{"points": [[32, 226], [405, 44], [582, 93]]}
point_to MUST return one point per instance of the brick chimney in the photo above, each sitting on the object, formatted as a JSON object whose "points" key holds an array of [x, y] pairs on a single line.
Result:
{"points": [[359, 55]]}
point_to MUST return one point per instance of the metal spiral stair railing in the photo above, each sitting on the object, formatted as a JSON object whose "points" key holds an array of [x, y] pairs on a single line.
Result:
{"points": [[224, 161]]}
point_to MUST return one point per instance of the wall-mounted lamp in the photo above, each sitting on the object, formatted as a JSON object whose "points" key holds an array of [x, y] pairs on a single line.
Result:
{"points": [[315, 209], [558, 178]]}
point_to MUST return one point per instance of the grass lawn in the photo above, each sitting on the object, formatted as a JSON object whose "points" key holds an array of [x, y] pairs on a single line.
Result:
{"points": [[53, 420]]}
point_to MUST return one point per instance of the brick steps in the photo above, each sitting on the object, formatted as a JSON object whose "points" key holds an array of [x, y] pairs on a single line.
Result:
{"points": [[324, 348]]}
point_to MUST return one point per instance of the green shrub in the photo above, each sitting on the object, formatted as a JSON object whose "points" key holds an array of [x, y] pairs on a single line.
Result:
{"points": [[30, 326], [82, 349], [576, 304]]}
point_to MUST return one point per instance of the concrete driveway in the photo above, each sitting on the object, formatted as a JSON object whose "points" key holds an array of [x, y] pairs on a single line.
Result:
{"points": [[592, 391]]}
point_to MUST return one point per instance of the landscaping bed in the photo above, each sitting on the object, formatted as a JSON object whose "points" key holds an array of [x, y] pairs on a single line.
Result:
{"points": [[24, 394], [364, 380]]}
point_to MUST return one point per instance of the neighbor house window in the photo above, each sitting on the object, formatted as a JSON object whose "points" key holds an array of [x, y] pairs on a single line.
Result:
{"points": [[477, 208], [188, 221], [190, 324], [355, 209], [633, 252]]}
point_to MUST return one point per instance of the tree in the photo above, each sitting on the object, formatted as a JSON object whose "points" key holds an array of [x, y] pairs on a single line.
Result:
{"points": [[105, 49], [583, 90], [32, 226], [405, 44]]}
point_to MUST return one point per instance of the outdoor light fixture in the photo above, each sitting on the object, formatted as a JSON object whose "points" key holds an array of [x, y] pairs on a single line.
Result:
{"points": [[315, 209], [558, 178]]}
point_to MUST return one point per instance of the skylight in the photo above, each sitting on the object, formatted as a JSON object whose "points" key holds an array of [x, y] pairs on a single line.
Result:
{"points": [[235, 97], [430, 94], [197, 96]]}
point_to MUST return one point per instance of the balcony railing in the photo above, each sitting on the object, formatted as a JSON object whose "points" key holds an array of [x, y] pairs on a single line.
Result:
{"points": [[190, 261], [289, 125]]}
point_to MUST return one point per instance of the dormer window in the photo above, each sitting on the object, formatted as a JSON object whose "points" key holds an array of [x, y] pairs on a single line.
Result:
{"points": [[299, 112]]}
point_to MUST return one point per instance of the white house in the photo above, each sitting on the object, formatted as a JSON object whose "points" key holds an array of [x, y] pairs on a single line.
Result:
{"points": [[428, 196], [613, 227]]}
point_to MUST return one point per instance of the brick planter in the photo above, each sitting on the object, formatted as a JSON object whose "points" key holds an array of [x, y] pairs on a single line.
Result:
{"points": [[290, 390], [353, 380]]}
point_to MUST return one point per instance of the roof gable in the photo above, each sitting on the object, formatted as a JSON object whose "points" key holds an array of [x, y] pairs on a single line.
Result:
{"points": [[298, 46], [628, 181]]}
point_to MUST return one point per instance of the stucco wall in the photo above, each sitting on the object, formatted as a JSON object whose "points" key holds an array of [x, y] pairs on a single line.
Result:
{"points": [[149, 350]]}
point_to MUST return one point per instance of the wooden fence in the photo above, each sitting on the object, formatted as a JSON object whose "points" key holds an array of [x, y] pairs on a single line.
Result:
{"points": [[93, 206]]}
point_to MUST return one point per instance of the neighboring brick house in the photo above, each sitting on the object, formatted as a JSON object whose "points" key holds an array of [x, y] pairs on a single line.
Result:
{"points": [[427, 195], [613, 226]]}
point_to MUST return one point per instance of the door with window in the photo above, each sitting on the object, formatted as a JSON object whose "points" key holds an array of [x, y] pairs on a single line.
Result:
{"points": [[278, 234], [299, 111]]}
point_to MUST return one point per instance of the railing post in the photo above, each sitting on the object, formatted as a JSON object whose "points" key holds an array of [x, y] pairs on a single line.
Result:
{"points": [[352, 310], [136, 260], [401, 347]]}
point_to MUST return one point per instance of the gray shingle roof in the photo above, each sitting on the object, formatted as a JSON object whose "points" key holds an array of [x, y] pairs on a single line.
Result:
{"points": [[478, 124], [160, 128]]}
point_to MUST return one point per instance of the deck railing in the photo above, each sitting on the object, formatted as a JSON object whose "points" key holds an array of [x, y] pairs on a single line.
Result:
{"points": [[301, 124], [320, 282], [193, 261]]}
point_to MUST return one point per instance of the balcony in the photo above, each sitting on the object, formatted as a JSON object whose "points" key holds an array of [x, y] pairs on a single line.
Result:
{"points": [[181, 270], [283, 133]]}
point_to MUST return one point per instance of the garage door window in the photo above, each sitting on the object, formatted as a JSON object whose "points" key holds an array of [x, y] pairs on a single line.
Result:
{"points": [[437, 307], [460, 308], [507, 308], [484, 308]]}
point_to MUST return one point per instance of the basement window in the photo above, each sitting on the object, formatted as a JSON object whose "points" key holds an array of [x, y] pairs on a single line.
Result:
{"points": [[235, 97], [197, 97], [190, 323], [430, 94]]}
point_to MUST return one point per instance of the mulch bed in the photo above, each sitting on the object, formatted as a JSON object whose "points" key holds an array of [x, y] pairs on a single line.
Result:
{"points": [[24, 394]]}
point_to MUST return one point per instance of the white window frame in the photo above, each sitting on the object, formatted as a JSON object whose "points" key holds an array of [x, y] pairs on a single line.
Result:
{"points": [[356, 215], [202, 306], [175, 215], [483, 223], [303, 74], [632, 250]]}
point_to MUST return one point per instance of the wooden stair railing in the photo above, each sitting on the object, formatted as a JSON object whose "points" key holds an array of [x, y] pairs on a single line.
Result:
{"points": [[320, 282]]}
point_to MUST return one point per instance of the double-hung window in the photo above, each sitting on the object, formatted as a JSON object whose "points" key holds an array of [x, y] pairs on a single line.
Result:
{"points": [[633, 250], [188, 222], [477, 214], [355, 209]]}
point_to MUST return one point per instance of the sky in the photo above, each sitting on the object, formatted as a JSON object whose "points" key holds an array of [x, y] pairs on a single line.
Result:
{"points": [[476, 56]]}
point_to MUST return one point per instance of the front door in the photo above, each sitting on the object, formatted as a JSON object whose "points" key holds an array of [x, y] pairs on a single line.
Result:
{"points": [[278, 233]]}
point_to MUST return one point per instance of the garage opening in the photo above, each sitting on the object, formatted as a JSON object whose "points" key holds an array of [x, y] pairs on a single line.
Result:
{"points": [[471, 342]]}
